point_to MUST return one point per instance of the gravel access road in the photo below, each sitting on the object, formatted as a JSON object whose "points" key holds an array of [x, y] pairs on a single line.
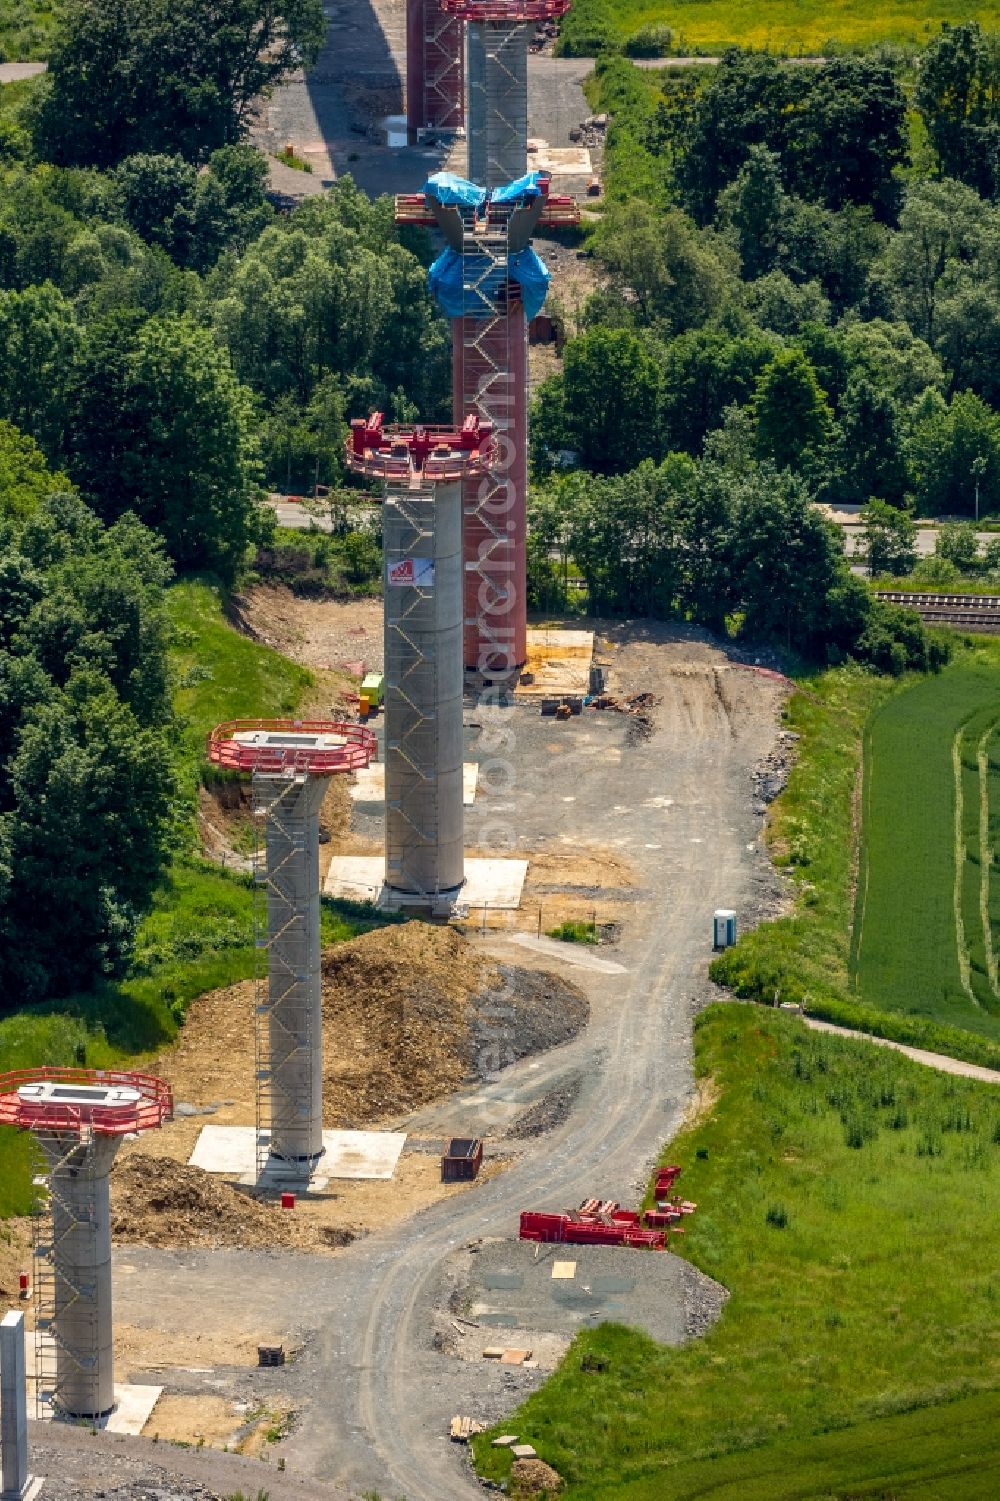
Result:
{"points": [[679, 805]]}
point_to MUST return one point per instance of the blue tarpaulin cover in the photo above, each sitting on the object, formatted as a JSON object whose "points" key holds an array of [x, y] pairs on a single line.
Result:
{"points": [[447, 188], [532, 275], [524, 187], [467, 287]]}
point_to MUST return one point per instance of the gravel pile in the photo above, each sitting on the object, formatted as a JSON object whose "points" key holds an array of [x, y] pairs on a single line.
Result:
{"points": [[704, 1299], [524, 1011], [552, 1110], [413, 1012]]}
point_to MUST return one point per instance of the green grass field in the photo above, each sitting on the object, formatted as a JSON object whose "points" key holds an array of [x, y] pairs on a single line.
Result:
{"points": [[843, 1196], [796, 27], [927, 900]]}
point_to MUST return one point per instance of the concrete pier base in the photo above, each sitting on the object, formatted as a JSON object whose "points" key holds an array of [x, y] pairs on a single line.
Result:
{"points": [[15, 1482], [79, 1264]]}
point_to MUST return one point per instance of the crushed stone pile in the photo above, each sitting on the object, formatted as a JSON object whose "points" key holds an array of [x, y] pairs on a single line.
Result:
{"points": [[412, 1012], [156, 1201]]}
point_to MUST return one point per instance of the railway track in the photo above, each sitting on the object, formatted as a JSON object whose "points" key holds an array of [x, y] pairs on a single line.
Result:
{"points": [[969, 612]]}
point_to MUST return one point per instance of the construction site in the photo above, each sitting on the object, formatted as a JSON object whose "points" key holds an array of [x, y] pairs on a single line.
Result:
{"points": [[363, 1204]]}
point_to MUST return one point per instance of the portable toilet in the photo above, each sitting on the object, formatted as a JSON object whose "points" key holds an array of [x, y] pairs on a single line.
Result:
{"points": [[724, 928], [371, 689]]}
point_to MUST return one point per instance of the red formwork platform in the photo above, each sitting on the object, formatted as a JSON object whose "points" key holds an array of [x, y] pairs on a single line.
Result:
{"points": [[403, 453], [357, 748], [63, 1109], [490, 377], [435, 67]]}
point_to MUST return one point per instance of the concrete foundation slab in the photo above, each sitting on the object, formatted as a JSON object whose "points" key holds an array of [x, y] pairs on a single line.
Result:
{"points": [[346, 1154], [369, 783], [559, 161], [579, 955], [558, 662], [496, 884], [133, 1408], [130, 1414]]}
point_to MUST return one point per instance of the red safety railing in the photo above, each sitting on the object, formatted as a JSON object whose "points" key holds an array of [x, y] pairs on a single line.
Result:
{"points": [[154, 1106], [399, 451], [358, 748], [513, 11]]}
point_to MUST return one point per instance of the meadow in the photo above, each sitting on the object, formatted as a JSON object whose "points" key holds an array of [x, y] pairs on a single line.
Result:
{"points": [[795, 27], [843, 1195], [927, 900]]}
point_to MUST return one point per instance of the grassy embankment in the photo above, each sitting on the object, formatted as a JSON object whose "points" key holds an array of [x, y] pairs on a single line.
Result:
{"points": [[791, 27], [805, 956], [199, 934], [843, 1195]]}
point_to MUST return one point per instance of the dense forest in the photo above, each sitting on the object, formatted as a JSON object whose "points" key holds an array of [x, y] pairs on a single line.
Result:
{"points": [[799, 286], [172, 342]]}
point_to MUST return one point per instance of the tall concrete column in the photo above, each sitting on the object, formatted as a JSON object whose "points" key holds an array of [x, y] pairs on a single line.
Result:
{"points": [[498, 101], [13, 1410], [80, 1192], [422, 546], [292, 1082]]}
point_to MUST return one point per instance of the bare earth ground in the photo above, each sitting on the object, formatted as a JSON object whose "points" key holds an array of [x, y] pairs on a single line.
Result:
{"points": [[316, 632]]}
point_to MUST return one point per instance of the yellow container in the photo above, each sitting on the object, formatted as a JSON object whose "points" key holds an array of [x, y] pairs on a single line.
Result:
{"points": [[363, 707]]}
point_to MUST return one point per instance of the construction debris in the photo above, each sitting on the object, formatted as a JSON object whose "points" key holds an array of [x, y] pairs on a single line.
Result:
{"points": [[638, 706], [591, 132], [463, 1428]]}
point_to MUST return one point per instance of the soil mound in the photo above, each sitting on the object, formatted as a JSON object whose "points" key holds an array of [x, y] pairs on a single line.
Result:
{"points": [[396, 1027], [412, 1012], [533, 1477], [156, 1201]]}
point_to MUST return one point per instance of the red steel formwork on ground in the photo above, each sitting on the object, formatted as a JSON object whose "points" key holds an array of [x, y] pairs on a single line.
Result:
{"points": [[71, 1118], [623, 1228], [435, 68], [490, 374]]}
